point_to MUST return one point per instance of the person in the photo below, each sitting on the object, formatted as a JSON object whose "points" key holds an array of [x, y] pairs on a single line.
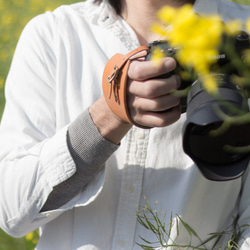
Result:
{"points": [[77, 171]]}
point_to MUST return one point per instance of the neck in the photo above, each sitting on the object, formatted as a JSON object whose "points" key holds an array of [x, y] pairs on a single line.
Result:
{"points": [[140, 15]]}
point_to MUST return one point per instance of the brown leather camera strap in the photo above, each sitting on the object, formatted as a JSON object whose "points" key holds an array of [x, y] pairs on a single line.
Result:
{"points": [[114, 83]]}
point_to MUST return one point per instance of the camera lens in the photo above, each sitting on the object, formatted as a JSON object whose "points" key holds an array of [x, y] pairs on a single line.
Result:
{"points": [[211, 149], [203, 138]]}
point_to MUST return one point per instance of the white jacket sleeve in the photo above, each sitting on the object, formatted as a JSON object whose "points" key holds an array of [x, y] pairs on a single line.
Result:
{"points": [[34, 156]]}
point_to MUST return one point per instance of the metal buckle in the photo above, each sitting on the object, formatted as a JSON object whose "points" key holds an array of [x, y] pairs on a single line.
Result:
{"points": [[112, 78]]}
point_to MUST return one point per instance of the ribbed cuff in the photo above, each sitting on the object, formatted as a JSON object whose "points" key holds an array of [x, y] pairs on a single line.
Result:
{"points": [[88, 148], [89, 151]]}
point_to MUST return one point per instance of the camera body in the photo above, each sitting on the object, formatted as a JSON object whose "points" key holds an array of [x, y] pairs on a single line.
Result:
{"points": [[207, 151]]}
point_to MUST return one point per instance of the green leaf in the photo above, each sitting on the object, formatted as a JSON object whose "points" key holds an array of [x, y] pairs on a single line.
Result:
{"points": [[189, 229]]}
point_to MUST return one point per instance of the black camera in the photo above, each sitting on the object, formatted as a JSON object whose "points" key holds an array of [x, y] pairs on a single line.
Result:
{"points": [[210, 152]]}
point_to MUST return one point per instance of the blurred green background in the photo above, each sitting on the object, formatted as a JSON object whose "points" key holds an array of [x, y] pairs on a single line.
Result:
{"points": [[14, 14]]}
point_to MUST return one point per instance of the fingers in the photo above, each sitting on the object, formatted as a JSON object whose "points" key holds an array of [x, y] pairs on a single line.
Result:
{"points": [[143, 70], [159, 104], [150, 101], [154, 87], [156, 119], [157, 112]]}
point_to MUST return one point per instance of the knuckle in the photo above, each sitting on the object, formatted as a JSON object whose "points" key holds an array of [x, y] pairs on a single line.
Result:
{"points": [[176, 82], [169, 118], [135, 71], [176, 100], [155, 106], [168, 64], [148, 90], [171, 63]]}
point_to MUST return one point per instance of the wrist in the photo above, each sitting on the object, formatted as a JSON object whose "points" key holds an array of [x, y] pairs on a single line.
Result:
{"points": [[110, 126]]}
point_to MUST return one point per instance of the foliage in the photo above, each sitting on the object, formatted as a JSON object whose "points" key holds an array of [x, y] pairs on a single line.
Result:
{"points": [[214, 54], [162, 228], [200, 39], [25, 243]]}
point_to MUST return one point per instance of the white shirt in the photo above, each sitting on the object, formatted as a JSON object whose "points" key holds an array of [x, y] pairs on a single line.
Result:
{"points": [[227, 9], [56, 75]]}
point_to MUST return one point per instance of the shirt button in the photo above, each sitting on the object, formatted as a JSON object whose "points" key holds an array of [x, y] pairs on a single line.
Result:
{"points": [[131, 188], [138, 135]]}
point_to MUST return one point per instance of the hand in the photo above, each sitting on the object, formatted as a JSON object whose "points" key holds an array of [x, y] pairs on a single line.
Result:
{"points": [[150, 101]]}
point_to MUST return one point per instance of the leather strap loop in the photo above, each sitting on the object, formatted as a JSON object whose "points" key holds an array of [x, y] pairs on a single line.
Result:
{"points": [[114, 83]]}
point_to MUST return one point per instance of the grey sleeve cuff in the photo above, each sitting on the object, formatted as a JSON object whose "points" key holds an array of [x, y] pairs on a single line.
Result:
{"points": [[89, 151], [88, 148]]}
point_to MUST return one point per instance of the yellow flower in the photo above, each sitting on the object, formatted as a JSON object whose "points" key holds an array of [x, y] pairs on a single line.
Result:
{"points": [[248, 24], [157, 55], [166, 14], [198, 38], [1, 82], [234, 25], [29, 236], [32, 237], [6, 19], [157, 28], [210, 85], [48, 9]]}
